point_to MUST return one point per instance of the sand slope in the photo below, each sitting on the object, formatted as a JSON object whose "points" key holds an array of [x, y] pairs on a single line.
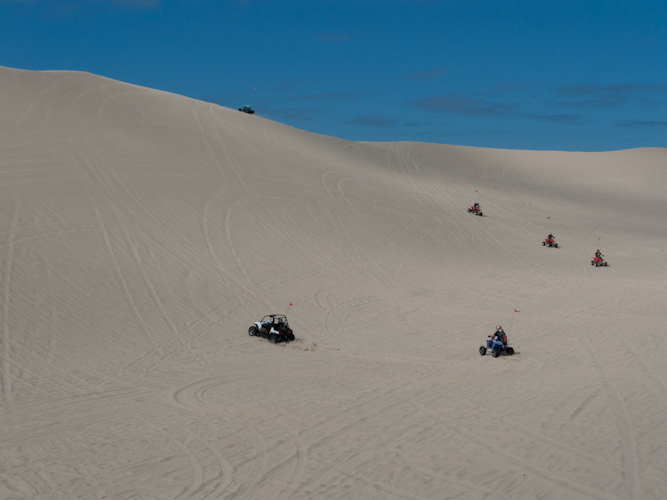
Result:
{"points": [[141, 234]]}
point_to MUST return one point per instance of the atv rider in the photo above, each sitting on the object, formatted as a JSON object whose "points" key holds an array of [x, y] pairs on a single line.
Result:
{"points": [[476, 206], [598, 254], [499, 338], [551, 237]]}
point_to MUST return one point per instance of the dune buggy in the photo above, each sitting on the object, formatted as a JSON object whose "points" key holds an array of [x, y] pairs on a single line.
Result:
{"points": [[273, 327]]}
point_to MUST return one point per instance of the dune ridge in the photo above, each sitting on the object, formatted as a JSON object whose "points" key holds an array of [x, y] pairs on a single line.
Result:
{"points": [[143, 232]]}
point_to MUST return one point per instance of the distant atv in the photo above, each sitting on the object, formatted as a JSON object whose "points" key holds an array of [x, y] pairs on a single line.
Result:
{"points": [[549, 242], [599, 262], [247, 109], [475, 210], [273, 327]]}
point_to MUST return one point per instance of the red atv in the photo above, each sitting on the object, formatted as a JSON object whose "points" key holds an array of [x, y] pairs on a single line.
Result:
{"points": [[599, 262], [475, 210], [549, 242]]}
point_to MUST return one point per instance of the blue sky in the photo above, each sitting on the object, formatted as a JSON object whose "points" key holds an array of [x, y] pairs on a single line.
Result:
{"points": [[521, 74]]}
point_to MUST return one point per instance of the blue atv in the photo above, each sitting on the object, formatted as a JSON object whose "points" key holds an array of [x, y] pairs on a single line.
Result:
{"points": [[503, 350]]}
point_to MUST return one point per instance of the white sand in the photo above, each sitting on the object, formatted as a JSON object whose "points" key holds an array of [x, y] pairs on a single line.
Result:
{"points": [[142, 233]]}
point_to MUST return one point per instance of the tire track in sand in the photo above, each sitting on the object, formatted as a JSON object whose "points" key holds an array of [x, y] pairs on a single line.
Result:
{"points": [[192, 397], [5, 375], [517, 461], [627, 437], [195, 464], [121, 280]]}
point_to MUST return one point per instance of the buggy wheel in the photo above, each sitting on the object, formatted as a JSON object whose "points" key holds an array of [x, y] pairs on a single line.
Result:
{"points": [[252, 331], [495, 353], [273, 338], [482, 350]]}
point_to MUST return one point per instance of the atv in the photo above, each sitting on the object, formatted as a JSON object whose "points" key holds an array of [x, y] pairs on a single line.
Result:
{"points": [[273, 327], [549, 242], [475, 210], [503, 350], [599, 262], [247, 109]]}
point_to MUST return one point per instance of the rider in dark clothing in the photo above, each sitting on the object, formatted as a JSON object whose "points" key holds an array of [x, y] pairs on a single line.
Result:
{"points": [[598, 254], [499, 338], [476, 205]]}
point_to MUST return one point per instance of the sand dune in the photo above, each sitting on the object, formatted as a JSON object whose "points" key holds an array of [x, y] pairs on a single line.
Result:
{"points": [[143, 232]]}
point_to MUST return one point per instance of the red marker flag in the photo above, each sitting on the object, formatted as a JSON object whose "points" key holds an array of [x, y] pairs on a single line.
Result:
{"points": [[514, 310], [290, 303]]}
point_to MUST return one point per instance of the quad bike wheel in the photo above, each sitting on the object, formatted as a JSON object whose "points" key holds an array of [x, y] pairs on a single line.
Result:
{"points": [[469, 210], [544, 243], [480, 214], [556, 245], [273, 338], [510, 351], [482, 350], [495, 353], [252, 331]]}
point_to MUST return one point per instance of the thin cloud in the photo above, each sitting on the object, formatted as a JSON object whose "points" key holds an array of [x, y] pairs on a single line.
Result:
{"points": [[458, 104], [373, 121], [608, 96], [427, 75], [632, 88], [570, 119], [643, 124], [470, 106], [604, 101]]}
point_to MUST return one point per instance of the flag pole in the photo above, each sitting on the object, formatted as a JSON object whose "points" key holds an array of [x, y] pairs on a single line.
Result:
{"points": [[290, 305], [510, 333]]}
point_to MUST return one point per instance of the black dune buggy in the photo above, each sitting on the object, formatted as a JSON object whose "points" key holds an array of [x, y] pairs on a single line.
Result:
{"points": [[247, 109], [273, 327]]}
